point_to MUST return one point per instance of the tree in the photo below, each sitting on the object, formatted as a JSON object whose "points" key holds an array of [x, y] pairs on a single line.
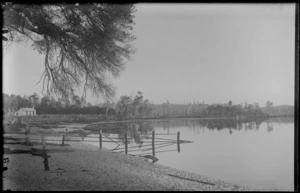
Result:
{"points": [[13, 103], [141, 107], [45, 102], [82, 44], [34, 98], [137, 103], [6, 105], [269, 105], [76, 101], [52, 102], [256, 108], [58, 105], [250, 109], [124, 107], [23, 101], [108, 103], [145, 109], [168, 108], [133, 108]]}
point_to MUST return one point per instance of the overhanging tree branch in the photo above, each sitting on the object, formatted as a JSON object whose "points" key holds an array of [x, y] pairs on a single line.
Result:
{"points": [[84, 38]]}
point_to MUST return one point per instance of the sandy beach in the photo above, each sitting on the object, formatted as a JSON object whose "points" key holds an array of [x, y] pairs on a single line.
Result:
{"points": [[85, 167]]}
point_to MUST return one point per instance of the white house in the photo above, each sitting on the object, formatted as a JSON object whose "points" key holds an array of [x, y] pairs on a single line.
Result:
{"points": [[25, 112]]}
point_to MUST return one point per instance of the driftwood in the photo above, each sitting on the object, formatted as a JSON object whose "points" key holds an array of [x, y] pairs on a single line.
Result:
{"points": [[154, 159], [191, 179]]}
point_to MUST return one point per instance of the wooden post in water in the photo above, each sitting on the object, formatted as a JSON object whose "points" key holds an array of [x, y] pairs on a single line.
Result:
{"points": [[126, 146], [100, 138], [153, 146], [45, 154], [178, 141]]}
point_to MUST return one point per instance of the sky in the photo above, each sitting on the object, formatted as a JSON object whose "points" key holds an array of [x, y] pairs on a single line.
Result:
{"points": [[211, 53]]}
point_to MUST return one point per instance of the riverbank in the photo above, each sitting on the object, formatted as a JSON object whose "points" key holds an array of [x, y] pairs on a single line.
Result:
{"points": [[87, 168]]}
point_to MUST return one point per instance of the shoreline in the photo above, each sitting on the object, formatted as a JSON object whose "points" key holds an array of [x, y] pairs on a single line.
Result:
{"points": [[111, 121], [88, 168], [173, 118], [177, 118]]}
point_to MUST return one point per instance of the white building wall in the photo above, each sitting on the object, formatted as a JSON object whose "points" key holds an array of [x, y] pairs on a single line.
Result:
{"points": [[24, 113]]}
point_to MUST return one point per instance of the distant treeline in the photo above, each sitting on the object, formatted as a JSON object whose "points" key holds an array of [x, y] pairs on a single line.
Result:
{"points": [[74, 110], [46, 105], [282, 110], [134, 107], [204, 110]]}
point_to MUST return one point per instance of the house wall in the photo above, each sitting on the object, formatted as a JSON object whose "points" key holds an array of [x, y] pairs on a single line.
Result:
{"points": [[32, 113], [20, 113], [25, 113]]}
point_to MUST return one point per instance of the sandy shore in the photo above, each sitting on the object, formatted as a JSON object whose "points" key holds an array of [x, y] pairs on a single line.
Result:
{"points": [[85, 167]]}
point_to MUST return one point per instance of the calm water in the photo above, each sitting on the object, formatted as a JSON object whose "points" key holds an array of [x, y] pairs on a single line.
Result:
{"points": [[255, 153]]}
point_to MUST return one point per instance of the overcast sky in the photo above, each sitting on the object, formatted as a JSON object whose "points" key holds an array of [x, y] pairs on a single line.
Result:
{"points": [[193, 52]]}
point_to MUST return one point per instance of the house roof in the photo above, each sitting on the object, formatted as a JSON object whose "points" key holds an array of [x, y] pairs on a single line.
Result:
{"points": [[27, 109]]}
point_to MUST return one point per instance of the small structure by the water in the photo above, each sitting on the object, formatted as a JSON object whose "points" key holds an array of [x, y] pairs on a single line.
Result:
{"points": [[25, 112]]}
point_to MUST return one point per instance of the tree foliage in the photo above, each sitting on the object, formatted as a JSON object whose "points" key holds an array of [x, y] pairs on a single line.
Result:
{"points": [[83, 44], [50, 105], [269, 104], [137, 107], [134, 107]]}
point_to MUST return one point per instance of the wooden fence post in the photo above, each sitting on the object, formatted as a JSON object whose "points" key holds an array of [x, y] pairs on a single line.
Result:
{"points": [[45, 154], [126, 147], [66, 136], [20, 121], [27, 132], [63, 140], [178, 141], [153, 146], [100, 138]]}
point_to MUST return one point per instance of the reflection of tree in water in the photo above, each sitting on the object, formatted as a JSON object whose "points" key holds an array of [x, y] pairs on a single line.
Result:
{"points": [[211, 124], [239, 125], [269, 127], [257, 124], [136, 132], [249, 125], [289, 119]]}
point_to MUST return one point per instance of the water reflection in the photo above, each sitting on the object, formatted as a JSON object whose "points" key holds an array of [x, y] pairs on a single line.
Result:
{"points": [[138, 132], [221, 148], [269, 127]]}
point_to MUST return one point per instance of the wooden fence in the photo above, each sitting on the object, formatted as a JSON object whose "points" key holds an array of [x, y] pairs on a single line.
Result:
{"points": [[153, 145]]}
